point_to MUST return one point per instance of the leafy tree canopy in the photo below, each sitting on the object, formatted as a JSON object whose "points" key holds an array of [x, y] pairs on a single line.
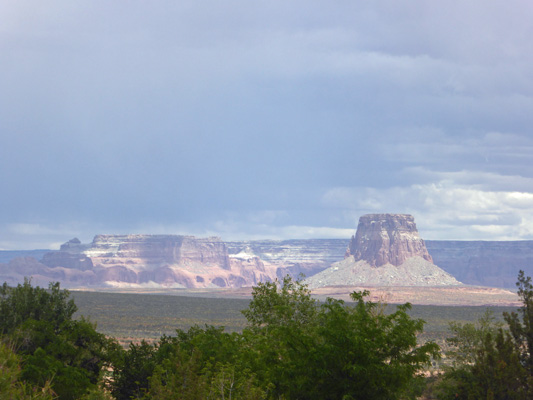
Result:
{"points": [[332, 350], [491, 362], [25, 302], [54, 348], [294, 347]]}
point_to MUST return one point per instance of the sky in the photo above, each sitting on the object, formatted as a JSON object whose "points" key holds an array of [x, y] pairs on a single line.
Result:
{"points": [[264, 119]]}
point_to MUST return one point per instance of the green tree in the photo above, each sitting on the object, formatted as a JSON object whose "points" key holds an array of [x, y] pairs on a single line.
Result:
{"points": [[179, 377], [132, 373], [493, 370], [25, 302], [199, 363], [11, 384], [186, 376], [293, 348], [203, 363], [491, 362], [497, 369], [333, 350], [276, 304], [468, 338], [522, 331], [52, 345]]}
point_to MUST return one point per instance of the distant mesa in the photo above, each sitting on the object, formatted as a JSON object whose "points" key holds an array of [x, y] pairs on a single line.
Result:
{"points": [[173, 261], [156, 261], [385, 251]]}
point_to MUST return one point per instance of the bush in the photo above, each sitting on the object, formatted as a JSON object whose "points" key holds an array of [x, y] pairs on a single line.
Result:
{"points": [[332, 350], [492, 362], [11, 386], [52, 346]]}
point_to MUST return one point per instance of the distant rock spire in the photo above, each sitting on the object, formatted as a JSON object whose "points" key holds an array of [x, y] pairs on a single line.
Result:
{"points": [[385, 251], [387, 239]]}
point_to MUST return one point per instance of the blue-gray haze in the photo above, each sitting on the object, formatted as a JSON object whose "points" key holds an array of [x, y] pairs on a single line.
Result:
{"points": [[264, 119]]}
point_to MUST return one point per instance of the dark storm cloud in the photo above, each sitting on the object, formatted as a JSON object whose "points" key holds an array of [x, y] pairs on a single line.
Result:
{"points": [[281, 119]]}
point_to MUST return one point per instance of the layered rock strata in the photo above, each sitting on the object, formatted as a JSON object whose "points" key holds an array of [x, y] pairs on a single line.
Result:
{"points": [[383, 239], [385, 251], [175, 261], [156, 260], [151, 251], [292, 257], [163, 260]]}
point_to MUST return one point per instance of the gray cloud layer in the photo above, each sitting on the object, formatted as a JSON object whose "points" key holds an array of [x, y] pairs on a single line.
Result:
{"points": [[264, 119]]}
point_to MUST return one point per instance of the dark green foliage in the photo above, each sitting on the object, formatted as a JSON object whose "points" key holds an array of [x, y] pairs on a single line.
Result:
{"points": [[131, 373], [196, 364], [495, 372], [72, 358], [214, 344], [498, 372], [24, 302], [11, 384], [293, 348], [179, 377], [53, 347], [468, 338], [274, 304], [308, 350], [490, 362], [522, 331], [188, 375], [212, 360]]}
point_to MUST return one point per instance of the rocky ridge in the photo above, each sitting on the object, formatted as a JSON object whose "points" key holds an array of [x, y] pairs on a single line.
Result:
{"points": [[179, 261]]}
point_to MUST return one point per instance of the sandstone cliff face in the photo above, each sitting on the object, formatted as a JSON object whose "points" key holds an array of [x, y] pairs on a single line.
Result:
{"points": [[174, 261], [152, 251], [152, 260], [385, 251], [387, 239], [291, 257], [472, 262]]}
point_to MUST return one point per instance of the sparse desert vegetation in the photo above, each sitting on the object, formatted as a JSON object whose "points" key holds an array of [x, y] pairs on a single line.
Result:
{"points": [[148, 316]]}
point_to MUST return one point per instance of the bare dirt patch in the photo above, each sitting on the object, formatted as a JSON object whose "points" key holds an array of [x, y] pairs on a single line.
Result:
{"points": [[447, 295]]}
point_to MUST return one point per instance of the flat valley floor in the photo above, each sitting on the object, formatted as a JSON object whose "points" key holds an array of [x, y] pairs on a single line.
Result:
{"points": [[135, 316]]}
